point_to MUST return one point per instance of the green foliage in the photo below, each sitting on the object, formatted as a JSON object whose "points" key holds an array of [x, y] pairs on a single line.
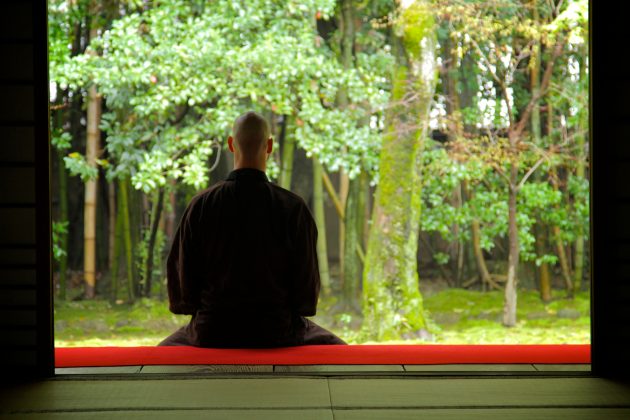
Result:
{"points": [[175, 75], [59, 229], [77, 165], [61, 140], [443, 172]]}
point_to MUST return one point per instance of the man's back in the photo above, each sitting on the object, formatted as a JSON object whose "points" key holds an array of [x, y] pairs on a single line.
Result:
{"points": [[243, 261], [244, 264]]}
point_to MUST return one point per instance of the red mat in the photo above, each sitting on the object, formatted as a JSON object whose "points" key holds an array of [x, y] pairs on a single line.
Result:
{"points": [[325, 355]]}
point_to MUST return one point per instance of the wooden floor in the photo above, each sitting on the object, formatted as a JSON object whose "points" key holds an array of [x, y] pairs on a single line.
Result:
{"points": [[320, 392]]}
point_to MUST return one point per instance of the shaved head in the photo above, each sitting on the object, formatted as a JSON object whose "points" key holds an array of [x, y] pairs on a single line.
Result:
{"points": [[251, 132]]}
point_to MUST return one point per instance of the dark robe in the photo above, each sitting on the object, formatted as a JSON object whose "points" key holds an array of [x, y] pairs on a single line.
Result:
{"points": [[243, 263]]}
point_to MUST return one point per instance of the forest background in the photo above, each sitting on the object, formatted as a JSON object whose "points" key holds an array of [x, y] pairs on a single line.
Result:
{"points": [[442, 147]]}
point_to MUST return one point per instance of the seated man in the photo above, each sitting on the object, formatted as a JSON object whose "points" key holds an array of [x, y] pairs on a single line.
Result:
{"points": [[243, 261]]}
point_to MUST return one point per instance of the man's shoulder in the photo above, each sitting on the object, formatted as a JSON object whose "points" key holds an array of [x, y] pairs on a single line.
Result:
{"points": [[287, 196], [203, 195]]}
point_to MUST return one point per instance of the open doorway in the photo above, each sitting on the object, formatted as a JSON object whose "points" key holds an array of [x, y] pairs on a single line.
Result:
{"points": [[466, 123]]}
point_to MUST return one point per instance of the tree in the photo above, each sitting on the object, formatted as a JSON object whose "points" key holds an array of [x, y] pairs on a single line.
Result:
{"points": [[392, 303], [167, 115], [92, 152], [500, 33]]}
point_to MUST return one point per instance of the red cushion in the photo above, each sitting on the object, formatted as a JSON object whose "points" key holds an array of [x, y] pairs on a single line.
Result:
{"points": [[325, 355]]}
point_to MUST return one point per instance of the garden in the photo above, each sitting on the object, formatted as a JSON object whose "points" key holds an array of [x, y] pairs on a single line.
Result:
{"points": [[441, 145]]}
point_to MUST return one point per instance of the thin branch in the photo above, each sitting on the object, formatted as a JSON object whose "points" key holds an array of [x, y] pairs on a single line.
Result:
{"points": [[500, 172], [333, 196], [520, 126], [486, 62], [529, 173], [216, 160]]}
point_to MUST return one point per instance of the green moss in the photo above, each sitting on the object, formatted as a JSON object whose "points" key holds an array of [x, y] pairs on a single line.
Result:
{"points": [[393, 305], [417, 22], [97, 323]]}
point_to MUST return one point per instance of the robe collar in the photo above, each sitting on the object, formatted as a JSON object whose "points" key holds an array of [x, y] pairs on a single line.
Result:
{"points": [[247, 174]]}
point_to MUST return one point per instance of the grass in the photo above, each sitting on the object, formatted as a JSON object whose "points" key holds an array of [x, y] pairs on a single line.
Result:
{"points": [[469, 317], [458, 317], [99, 323]]}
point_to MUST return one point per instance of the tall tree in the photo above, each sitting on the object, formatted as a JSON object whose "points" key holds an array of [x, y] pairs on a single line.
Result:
{"points": [[92, 153], [349, 191], [500, 33], [392, 303]]}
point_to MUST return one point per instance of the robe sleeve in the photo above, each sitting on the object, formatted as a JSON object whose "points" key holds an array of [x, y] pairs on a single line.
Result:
{"points": [[306, 277], [181, 266]]}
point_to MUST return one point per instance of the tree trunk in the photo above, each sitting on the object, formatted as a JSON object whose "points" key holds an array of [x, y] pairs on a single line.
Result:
{"points": [[169, 222], [362, 214], [509, 307], [534, 81], [352, 264], [111, 204], [564, 263], [544, 275], [480, 261], [92, 150], [118, 238], [515, 132], [482, 268], [288, 146], [346, 46], [320, 221], [137, 222], [126, 226], [459, 244], [156, 215], [89, 213], [392, 303], [557, 239], [455, 130]]}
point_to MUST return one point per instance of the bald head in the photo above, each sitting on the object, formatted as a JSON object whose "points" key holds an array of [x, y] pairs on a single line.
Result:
{"points": [[251, 132], [250, 141]]}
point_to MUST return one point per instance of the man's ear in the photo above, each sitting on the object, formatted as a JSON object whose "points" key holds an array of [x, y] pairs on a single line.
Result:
{"points": [[231, 144], [269, 145]]}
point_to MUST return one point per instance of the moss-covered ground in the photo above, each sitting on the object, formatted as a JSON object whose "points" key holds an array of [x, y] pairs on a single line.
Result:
{"points": [[458, 317]]}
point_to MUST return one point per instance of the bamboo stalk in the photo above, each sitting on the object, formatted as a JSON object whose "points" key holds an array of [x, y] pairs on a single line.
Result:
{"points": [[340, 210], [320, 221]]}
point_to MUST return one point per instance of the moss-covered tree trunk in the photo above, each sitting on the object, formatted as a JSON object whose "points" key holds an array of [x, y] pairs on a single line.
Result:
{"points": [[392, 303]]}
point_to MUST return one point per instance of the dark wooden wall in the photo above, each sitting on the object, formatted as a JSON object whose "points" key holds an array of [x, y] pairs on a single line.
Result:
{"points": [[25, 277], [25, 285], [610, 187]]}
